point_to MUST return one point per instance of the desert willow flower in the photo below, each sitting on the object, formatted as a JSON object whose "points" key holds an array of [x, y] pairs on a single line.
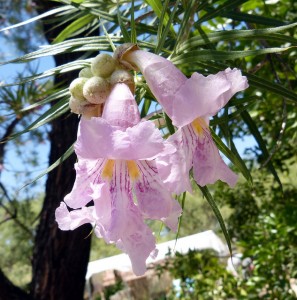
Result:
{"points": [[189, 102], [117, 170]]}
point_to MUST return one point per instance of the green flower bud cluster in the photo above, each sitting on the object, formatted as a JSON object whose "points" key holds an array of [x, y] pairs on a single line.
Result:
{"points": [[90, 90]]}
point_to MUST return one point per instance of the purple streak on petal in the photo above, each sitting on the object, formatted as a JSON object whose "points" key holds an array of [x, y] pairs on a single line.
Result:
{"points": [[71, 220], [87, 172], [208, 165], [120, 108], [120, 193], [98, 139], [127, 228], [205, 96], [154, 201]]}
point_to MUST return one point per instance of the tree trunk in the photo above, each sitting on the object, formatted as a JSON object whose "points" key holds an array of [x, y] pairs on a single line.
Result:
{"points": [[60, 257]]}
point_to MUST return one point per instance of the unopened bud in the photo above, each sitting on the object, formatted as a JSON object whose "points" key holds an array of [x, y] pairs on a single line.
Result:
{"points": [[76, 105], [96, 90], [121, 51], [123, 76], [85, 72], [85, 108], [76, 88], [103, 65]]}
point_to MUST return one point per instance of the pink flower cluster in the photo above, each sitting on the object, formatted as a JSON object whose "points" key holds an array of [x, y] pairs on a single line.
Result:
{"points": [[126, 168]]}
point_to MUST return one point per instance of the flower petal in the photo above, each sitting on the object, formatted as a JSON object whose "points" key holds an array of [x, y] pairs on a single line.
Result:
{"points": [[120, 108], [174, 168], [102, 204], [208, 165], [186, 99], [71, 220], [137, 240], [87, 172], [127, 227], [201, 96], [154, 201], [175, 212], [98, 139]]}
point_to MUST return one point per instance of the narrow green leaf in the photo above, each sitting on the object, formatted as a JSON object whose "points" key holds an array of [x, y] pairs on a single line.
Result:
{"points": [[169, 124], [157, 7], [184, 29], [233, 115], [226, 6], [226, 35], [161, 20], [269, 86], [182, 202], [73, 27], [113, 47], [54, 112], [124, 31], [145, 108], [53, 166], [218, 215], [165, 32], [44, 15], [69, 67], [261, 143], [80, 44], [189, 57], [52, 97], [233, 157], [249, 18], [133, 27]]}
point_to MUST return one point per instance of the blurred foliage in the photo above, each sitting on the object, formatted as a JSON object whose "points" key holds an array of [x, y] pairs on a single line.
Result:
{"points": [[18, 224], [201, 275], [263, 225]]}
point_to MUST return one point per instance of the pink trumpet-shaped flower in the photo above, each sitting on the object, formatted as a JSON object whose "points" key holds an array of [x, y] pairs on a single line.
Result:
{"points": [[189, 103], [116, 165]]}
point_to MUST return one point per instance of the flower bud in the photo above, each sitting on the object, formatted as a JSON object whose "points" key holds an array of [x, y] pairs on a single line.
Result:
{"points": [[96, 90], [85, 108], [123, 76], [103, 65], [121, 51], [76, 105], [85, 72], [76, 88]]}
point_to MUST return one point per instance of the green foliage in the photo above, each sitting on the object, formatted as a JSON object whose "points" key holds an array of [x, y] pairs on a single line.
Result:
{"points": [[17, 239], [264, 224], [201, 275]]}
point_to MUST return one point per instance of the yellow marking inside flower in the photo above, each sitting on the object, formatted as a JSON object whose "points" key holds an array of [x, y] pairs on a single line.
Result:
{"points": [[107, 170], [132, 169], [198, 125]]}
